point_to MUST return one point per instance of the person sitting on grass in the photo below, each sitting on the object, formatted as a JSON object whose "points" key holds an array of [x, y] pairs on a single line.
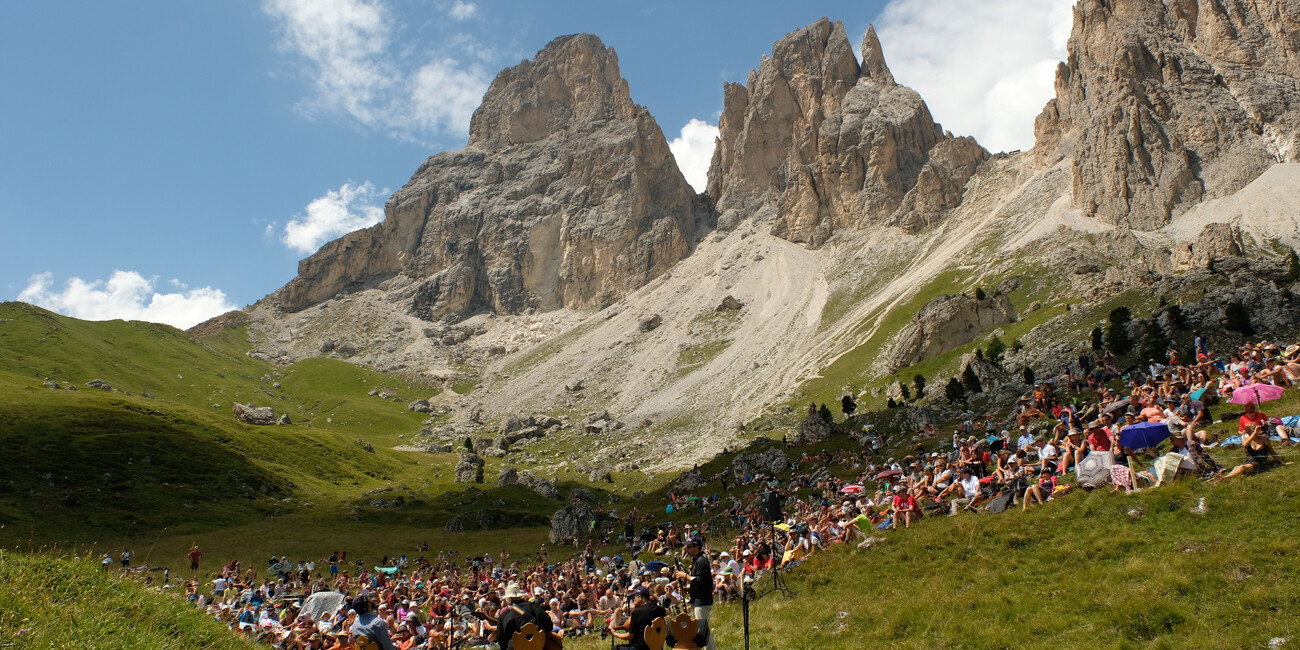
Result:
{"points": [[904, 507], [1260, 456]]}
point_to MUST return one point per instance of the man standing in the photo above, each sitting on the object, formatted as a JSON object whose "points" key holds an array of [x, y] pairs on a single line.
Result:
{"points": [[701, 587], [195, 554], [520, 612], [644, 612]]}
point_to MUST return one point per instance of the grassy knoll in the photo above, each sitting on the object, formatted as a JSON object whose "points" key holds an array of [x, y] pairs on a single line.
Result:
{"points": [[57, 603]]}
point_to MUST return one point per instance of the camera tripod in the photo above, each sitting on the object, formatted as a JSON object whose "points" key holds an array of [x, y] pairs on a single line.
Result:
{"points": [[778, 581]]}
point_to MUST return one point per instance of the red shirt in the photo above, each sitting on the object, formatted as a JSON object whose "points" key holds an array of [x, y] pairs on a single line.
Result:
{"points": [[1100, 440], [1250, 418], [906, 502]]}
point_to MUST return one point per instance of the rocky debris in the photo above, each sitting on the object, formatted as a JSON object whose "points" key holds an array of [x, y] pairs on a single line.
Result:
{"points": [[816, 142], [814, 428], [575, 386], [565, 196], [327, 346], [944, 324], [420, 406], [729, 304], [600, 422], [1216, 241], [1162, 104], [469, 469], [258, 415], [284, 419], [769, 463], [689, 482], [100, 384], [366, 445], [651, 324]]}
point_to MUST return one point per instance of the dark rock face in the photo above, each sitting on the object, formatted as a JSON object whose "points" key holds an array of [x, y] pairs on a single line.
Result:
{"points": [[817, 142], [1163, 104], [566, 196]]}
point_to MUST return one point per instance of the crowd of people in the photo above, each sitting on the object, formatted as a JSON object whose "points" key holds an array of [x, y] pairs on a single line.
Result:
{"points": [[1029, 455]]}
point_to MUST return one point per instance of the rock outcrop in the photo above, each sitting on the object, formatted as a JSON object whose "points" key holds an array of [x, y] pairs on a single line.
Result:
{"points": [[1163, 104], [817, 141], [769, 463], [944, 324], [565, 196], [1216, 241], [257, 415], [469, 469]]}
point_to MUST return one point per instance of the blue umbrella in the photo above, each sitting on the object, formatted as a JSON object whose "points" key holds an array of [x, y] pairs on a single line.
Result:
{"points": [[1196, 394], [1143, 434], [655, 566]]}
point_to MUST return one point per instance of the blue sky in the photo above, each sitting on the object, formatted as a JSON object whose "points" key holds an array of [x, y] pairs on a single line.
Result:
{"points": [[169, 160]]}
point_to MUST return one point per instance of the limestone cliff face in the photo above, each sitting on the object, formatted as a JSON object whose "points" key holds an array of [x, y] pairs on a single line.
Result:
{"points": [[1165, 103], [566, 195], [817, 141]]}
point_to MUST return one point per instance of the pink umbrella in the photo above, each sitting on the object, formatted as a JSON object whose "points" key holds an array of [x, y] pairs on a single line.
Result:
{"points": [[852, 489], [1256, 393]]}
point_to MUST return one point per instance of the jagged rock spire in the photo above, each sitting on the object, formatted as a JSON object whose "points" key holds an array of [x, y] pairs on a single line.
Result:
{"points": [[873, 59]]}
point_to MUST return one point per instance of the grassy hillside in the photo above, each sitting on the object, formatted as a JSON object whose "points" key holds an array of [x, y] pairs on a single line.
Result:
{"points": [[160, 460], [56, 603], [1090, 570]]}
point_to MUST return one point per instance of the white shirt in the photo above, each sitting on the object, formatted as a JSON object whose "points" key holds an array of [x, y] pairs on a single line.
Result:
{"points": [[970, 487]]}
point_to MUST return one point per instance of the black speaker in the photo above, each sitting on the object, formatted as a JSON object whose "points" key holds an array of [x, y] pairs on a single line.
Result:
{"points": [[771, 506]]}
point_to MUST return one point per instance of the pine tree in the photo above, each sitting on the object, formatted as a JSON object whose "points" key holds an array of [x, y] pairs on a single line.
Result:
{"points": [[919, 382], [1098, 342], [1155, 341], [1292, 266], [907, 395], [848, 405], [954, 391], [979, 293], [1117, 338], [1017, 345], [1029, 376], [971, 381], [1237, 318], [825, 413], [1177, 319], [891, 404], [996, 350]]}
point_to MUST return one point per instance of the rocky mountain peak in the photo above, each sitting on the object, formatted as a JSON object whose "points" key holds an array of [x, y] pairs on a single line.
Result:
{"points": [[566, 196], [816, 142], [1164, 104], [873, 59], [573, 82]]}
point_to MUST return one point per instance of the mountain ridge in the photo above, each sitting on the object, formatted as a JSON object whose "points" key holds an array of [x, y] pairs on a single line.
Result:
{"points": [[836, 209]]}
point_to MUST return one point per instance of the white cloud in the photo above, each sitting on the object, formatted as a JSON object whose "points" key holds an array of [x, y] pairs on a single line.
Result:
{"points": [[463, 10], [341, 211], [985, 68], [693, 150], [443, 97], [347, 46], [129, 296]]}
